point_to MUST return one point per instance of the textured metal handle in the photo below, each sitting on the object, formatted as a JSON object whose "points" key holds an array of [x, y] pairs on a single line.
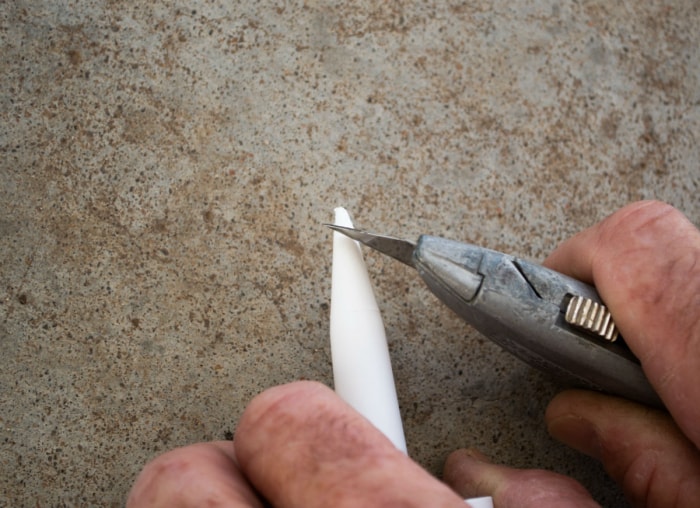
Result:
{"points": [[591, 316]]}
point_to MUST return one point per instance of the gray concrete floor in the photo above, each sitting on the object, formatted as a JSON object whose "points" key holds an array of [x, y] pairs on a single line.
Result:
{"points": [[166, 167]]}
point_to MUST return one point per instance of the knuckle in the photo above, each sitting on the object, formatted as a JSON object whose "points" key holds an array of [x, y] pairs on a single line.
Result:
{"points": [[653, 250], [643, 217], [638, 475], [650, 481]]}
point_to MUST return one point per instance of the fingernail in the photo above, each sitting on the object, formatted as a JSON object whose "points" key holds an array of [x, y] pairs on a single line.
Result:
{"points": [[476, 455], [577, 433]]}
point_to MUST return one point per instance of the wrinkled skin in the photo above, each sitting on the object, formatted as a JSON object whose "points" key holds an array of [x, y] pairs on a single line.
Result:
{"points": [[299, 445]]}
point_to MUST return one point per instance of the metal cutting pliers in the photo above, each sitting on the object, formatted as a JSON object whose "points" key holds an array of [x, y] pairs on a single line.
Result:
{"points": [[549, 320]]}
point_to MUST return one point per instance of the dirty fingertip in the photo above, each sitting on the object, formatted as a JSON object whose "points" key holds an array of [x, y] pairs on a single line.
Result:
{"points": [[467, 471]]}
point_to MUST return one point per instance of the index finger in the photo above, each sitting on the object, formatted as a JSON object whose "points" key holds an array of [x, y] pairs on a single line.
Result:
{"points": [[301, 445], [645, 262]]}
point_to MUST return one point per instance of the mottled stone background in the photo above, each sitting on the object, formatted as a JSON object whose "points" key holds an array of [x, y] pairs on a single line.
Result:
{"points": [[166, 167]]}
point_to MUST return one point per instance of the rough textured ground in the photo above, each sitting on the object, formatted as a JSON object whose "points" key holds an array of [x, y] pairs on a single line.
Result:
{"points": [[166, 166]]}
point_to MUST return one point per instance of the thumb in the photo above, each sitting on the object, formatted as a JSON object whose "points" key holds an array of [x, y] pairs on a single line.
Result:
{"points": [[641, 448], [470, 473]]}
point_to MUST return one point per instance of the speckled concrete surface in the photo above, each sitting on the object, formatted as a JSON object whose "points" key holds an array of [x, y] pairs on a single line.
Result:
{"points": [[166, 167]]}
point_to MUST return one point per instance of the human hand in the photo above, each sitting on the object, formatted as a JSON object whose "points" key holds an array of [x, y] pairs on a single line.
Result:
{"points": [[300, 445], [297, 445], [645, 262]]}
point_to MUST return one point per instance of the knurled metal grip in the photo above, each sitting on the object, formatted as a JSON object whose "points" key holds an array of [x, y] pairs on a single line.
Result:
{"points": [[591, 316]]}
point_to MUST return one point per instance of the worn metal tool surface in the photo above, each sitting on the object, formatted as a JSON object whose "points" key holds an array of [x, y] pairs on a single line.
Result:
{"points": [[551, 321]]}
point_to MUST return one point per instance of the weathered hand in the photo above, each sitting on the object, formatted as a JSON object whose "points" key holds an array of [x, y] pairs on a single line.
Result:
{"points": [[297, 445], [300, 445], [645, 262]]}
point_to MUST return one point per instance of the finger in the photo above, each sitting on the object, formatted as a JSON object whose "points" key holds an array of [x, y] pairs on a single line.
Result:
{"points": [[205, 474], [641, 448], [302, 446], [471, 474], [645, 263]]}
